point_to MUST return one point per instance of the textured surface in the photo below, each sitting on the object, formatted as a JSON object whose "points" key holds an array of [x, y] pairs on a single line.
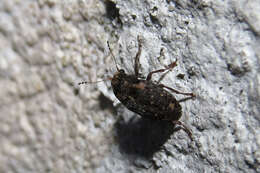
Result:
{"points": [[49, 124]]}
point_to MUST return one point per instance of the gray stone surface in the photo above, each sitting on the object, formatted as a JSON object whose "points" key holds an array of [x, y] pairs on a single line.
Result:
{"points": [[50, 124]]}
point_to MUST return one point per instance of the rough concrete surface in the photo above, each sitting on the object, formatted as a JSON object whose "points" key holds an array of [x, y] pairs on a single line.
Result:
{"points": [[50, 124]]}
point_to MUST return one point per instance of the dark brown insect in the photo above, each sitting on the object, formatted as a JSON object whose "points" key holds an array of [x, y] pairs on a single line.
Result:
{"points": [[147, 98]]}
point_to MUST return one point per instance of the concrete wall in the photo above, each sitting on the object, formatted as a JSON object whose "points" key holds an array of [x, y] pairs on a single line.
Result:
{"points": [[50, 124]]}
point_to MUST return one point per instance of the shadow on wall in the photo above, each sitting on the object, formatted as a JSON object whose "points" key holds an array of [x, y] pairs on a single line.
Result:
{"points": [[138, 136], [142, 137]]}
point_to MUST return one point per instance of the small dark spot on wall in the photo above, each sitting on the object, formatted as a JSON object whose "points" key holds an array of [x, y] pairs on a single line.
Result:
{"points": [[235, 70], [186, 22], [111, 11], [76, 91], [133, 17], [192, 71], [180, 76], [155, 21]]}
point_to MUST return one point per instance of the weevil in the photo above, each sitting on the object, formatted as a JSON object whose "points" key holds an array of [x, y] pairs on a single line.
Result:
{"points": [[147, 98]]}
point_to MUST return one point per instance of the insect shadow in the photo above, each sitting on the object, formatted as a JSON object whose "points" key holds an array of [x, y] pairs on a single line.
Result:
{"points": [[142, 137], [138, 136]]}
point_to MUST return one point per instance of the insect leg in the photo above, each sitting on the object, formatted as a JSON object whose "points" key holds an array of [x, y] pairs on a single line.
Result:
{"points": [[169, 67], [176, 91], [185, 99], [183, 127], [137, 57]]}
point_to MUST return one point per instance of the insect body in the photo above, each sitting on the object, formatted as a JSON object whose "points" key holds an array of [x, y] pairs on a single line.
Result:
{"points": [[146, 98]]}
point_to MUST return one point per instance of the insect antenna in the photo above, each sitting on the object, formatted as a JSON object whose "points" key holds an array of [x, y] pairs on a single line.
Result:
{"points": [[112, 55], [87, 82], [109, 78]]}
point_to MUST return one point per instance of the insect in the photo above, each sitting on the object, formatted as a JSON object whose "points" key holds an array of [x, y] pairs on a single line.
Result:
{"points": [[145, 97]]}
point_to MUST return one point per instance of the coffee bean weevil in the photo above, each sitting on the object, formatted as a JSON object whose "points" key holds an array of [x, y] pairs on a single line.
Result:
{"points": [[145, 97]]}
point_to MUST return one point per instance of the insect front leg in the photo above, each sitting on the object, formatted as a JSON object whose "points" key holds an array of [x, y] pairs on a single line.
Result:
{"points": [[137, 57], [169, 67], [183, 127]]}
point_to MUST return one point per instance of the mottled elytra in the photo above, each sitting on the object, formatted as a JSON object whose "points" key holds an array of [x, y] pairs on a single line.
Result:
{"points": [[147, 98]]}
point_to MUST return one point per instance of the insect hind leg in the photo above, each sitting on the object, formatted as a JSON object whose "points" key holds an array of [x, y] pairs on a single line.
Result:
{"points": [[184, 128]]}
